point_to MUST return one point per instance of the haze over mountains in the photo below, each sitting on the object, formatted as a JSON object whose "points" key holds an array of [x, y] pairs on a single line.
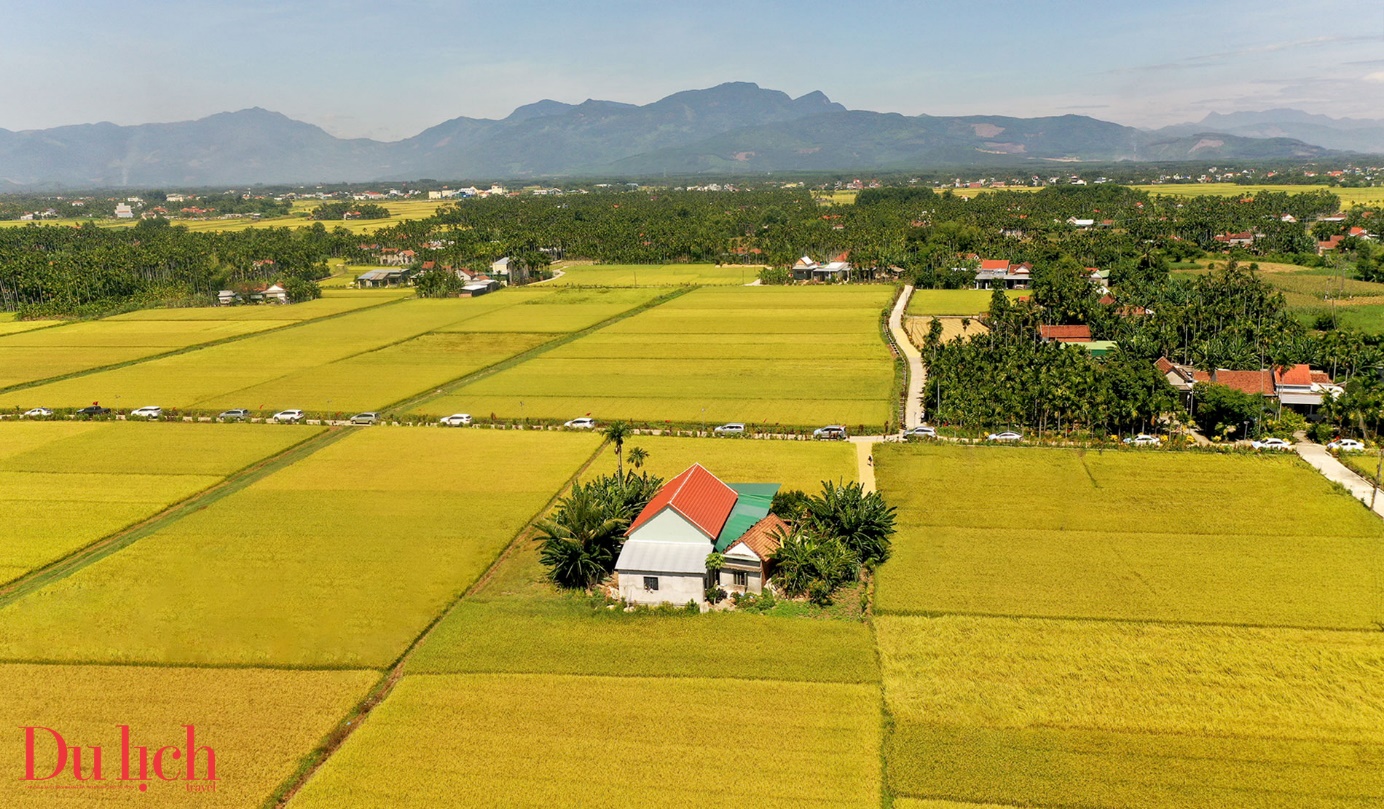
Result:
{"points": [[734, 128]]}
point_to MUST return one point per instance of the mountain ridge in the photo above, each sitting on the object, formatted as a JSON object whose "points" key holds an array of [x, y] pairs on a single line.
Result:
{"points": [[736, 127]]}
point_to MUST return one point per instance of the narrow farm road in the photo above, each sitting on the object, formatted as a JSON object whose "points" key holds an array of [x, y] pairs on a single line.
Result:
{"points": [[1337, 472], [865, 460], [917, 377]]}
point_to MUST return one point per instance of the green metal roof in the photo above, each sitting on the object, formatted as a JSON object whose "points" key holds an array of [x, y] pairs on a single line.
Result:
{"points": [[751, 505]]}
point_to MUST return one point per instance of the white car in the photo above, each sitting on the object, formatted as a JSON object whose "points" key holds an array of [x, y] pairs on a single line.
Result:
{"points": [[37, 413], [1272, 443], [921, 431], [1143, 440], [832, 432], [583, 423], [287, 417], [734, 428], [455, 420], [150, 413], [1346, 445], [1007, 435]]}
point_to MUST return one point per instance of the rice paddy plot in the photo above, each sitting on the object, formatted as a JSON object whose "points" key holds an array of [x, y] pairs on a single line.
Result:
{"points": [[332, 302], [557, 311], [9, 325], [64, 485], [954, 302], [338, 560], [258, 724], [1070, 713], [543, 741], [1146, 536], [653, 275], [701, 357], [184, 380], [1349, 196], [793, 464]]}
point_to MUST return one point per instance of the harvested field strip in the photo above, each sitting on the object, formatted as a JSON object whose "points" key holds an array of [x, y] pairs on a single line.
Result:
{"points": [[65, 485], [258, 723], [1079, 713], [518, 740], [337, 561]]}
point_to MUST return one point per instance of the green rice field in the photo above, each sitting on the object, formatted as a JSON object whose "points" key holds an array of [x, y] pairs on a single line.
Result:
{"points": [[759, 355], [64, 485], [1169, 537]]}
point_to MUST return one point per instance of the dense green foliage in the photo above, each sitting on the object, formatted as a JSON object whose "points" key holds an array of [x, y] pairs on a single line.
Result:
{"points": [[350, 210], [581, 540], [91, 270]]}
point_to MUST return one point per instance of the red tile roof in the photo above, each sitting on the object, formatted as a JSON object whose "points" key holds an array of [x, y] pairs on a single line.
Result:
{"points": [[994, 264], [699, 496], [1322, 378], [1296, 375], [1065, 333], [1260, 382], [763, 536]]}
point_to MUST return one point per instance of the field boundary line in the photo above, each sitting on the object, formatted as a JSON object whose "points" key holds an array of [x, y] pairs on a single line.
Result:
{"points": [[528, 354], [1176, 624], [187, 349], [310, 763], [95, 551]]}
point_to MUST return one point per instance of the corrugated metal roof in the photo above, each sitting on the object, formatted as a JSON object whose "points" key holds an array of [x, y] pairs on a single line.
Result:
{"points": [[696, 494], [663, 557], [751, 506]]}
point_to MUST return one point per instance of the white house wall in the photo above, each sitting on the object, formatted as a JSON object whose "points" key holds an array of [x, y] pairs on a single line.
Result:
{"points": [[673, 588], [669, 526]]}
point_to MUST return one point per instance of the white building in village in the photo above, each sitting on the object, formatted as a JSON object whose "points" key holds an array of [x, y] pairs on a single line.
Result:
{"points": [[664, 556]]}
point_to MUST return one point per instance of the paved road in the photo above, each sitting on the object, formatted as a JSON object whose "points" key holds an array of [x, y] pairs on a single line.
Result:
{"points": [[1338, 472], [917, 377]]}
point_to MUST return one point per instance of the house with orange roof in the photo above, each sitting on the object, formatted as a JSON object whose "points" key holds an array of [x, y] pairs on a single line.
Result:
{"points": [[663, 560]]}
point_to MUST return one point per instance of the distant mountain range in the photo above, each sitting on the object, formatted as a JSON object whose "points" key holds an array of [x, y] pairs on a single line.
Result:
{"points": [[735, 128]]}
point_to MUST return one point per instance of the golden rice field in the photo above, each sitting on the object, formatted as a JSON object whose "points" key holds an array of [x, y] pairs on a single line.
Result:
{"points": [[400, 211], [1307, 291], [339, 560], [258, 723], [1147, 536], [653, 275], [517, 623], [64, 485], [1068, 713], [1349, 196], [759, 355], [543, 741], [85, 345], [955, 302], [361, 360]]}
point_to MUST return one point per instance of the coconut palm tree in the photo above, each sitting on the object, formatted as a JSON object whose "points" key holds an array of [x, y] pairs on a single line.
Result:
{"points": [[616, 432], [638, 455]]}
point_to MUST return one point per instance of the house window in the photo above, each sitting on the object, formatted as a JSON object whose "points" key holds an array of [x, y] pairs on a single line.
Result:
{"points": [[650, 582], [739, 578]]}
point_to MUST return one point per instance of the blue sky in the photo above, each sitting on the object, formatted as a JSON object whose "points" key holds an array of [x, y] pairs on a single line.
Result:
{"points": [[389, 68]]}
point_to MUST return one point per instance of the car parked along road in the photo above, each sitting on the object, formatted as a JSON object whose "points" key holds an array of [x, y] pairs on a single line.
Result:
{"points": [[455, 420], [287, 417], [583, 423], [149, 412]]}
